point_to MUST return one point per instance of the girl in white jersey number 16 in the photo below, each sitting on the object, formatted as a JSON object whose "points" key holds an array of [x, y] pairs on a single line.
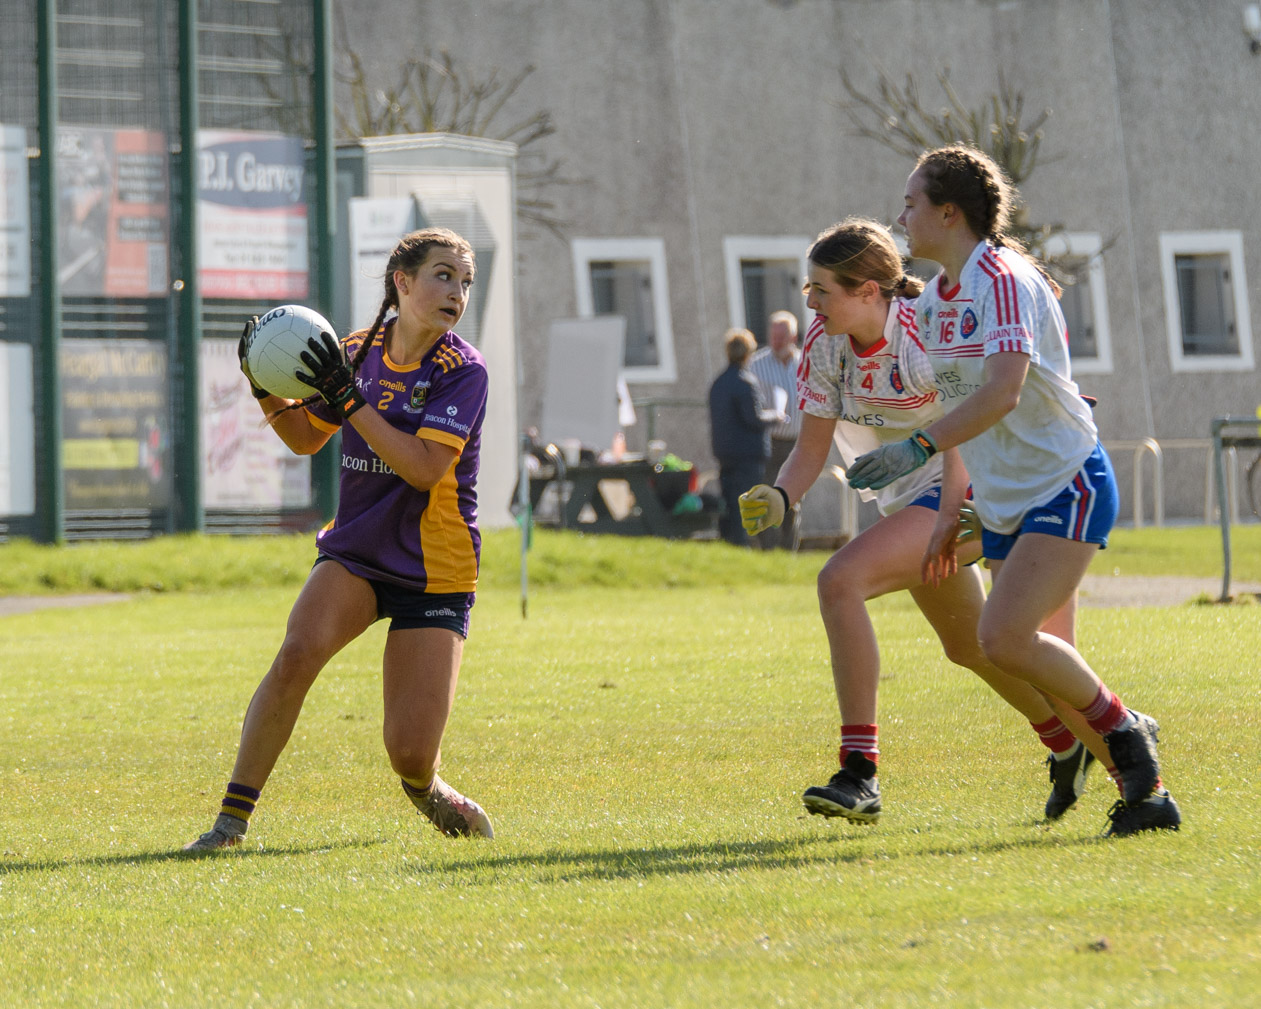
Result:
{"points": [[1042, 484]]}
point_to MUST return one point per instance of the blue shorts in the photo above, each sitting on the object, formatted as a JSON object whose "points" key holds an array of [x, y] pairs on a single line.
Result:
{"points": [[410, 608], [1084, 511], [930, 499]]}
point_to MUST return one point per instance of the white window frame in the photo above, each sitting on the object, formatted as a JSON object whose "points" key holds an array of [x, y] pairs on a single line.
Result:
{"points": [[736, 248], [1174, 243], [1090, 246], [589, 250]]}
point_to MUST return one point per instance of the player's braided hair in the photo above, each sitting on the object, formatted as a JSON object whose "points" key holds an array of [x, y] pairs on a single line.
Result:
{"points": [[858, 250], [411, 251], [974, 183]]}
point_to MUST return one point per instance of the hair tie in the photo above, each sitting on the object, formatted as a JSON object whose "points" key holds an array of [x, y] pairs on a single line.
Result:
{"points": [[901, 284]]}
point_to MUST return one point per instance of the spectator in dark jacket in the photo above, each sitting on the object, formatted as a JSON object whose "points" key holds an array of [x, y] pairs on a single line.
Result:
{"points": [[740, 424]]}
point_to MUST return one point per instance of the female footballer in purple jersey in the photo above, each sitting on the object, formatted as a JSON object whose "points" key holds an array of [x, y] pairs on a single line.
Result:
{"points": [[864, 376], [1043, 486], [410, 403]]}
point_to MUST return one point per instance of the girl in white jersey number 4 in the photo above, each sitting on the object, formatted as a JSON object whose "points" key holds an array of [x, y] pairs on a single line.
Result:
{"points": [[1043, 486], [865, 377]]}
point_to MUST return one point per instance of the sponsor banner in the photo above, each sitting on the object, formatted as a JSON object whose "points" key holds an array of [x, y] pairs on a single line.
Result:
{"points": [[113, 197], [244, 464], [116, 427], [15, 214], [252, 229]]}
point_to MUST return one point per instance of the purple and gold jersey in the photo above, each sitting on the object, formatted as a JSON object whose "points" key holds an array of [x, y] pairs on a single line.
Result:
{"points": [[385, 528]]}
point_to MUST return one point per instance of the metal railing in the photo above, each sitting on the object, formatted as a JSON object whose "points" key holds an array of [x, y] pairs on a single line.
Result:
{"points": [[1146, 447], [1227, 437]]}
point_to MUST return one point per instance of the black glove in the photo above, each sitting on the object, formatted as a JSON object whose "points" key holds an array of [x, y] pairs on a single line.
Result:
{"points": [[330, 375], [242, 349]]}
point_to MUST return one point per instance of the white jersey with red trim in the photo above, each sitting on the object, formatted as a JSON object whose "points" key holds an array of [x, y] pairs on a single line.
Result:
{"points": [[877, 395], [1002, 304]]}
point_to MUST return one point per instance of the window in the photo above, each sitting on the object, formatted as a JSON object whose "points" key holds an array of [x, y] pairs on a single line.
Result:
{"points": [[1206, 303], [1085, 300], [765, 275], [627, 277]]}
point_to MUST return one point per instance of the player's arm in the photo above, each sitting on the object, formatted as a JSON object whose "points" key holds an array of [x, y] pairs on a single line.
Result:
{"points": [[763, 506], [940, 559], [422, 462], [806, 460], [295, 427], [999, 394]]}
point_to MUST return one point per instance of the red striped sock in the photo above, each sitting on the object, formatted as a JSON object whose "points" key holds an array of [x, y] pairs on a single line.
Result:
{"points": [[1055, 735], [860, 739], [1105, 713]]}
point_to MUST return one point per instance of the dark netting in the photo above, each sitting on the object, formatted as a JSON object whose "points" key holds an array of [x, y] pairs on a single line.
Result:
{"points": [[19, 71], [115, 60], [257, 61]]}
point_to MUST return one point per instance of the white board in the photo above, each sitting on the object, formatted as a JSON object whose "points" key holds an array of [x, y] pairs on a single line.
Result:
{"points": [[580, 394], [376, 225], [17, 432]]}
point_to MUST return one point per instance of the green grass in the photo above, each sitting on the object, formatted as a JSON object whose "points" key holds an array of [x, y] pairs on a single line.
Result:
{"points": [[194, 563], [641, 742]]}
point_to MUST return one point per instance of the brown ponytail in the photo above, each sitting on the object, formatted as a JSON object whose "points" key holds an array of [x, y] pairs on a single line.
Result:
{"points": [[858, 250]]}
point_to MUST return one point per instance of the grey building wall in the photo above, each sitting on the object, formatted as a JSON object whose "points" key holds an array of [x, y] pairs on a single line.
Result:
{"points": [[693, 120]]}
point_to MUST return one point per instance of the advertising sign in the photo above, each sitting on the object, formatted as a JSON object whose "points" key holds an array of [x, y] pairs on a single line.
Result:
{"points": [[253, 241], [244, 465], [112, 189], [15, 215], [116, 424]]}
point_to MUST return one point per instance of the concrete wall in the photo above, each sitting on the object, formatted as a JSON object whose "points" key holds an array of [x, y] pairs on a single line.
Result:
{"points": [[694, 120]]}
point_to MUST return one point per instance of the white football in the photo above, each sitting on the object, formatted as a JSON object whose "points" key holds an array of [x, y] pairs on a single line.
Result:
{"points": [[273, 353]]}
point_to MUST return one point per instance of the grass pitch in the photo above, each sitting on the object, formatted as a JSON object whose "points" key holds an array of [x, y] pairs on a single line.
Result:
{"points": [[641, 741]]}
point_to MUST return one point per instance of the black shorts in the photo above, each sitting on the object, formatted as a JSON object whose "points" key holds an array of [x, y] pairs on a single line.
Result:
{"points": [[411, 608]]}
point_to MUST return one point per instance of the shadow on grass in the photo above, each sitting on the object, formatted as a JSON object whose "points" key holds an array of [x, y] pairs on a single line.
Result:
{"points": [[151, 857], [559, 865], [564, 865]]}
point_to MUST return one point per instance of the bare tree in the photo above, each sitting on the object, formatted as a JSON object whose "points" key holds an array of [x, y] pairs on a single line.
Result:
{"points": [[430, 94], [896, 117]]}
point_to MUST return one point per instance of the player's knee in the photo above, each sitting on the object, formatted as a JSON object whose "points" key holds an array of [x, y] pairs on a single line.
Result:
{"points": [[962, 651], [297, 663], [1006, 647], [838, 581]]}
